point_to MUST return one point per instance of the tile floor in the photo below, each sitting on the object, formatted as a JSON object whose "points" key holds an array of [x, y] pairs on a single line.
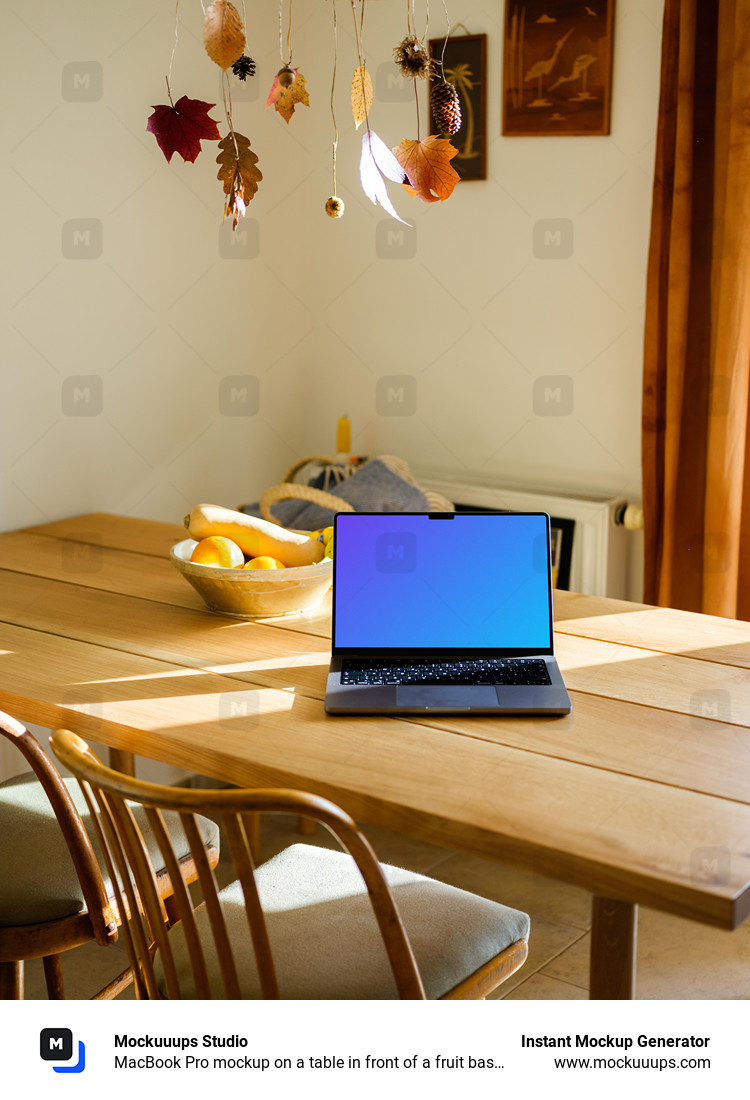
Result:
{"points": [[677, 959]]}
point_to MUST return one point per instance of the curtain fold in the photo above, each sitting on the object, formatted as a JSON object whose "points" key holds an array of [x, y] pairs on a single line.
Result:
{"points": [[696, 455]]}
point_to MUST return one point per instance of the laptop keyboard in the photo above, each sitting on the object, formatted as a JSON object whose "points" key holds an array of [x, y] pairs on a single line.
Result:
{"points": [[517, 671]]}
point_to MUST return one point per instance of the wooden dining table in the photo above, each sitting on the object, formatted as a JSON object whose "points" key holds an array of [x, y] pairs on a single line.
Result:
{"points": [[641, 795]]}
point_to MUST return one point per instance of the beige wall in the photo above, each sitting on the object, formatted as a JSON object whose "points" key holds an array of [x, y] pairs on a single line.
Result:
{"points": [[129, 315]]}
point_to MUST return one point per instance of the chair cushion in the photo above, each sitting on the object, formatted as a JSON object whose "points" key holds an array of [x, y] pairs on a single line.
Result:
{"points": [[38, 881], [325, 939]]}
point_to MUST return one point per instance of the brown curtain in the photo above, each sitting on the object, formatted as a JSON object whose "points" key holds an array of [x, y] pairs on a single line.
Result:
{"points": [[696, 450]]}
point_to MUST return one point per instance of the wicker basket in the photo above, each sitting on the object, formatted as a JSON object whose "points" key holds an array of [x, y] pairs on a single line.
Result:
{"points": [[289, 489]]}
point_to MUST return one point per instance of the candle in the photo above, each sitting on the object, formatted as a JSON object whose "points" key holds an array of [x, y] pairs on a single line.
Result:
{"points": [[343, 436]]}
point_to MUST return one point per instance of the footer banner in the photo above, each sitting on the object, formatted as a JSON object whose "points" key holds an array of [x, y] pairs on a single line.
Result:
{"points": [[279, 1049]]}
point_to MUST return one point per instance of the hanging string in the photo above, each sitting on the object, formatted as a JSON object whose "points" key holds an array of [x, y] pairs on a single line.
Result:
{"points": [[358, 44], [288, 33], [174, 49], [445, 40], [333, 87]]}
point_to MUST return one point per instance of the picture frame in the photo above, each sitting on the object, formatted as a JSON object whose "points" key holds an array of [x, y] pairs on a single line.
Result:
{"points": [[557, 68], [561, 550], [462, 59]]}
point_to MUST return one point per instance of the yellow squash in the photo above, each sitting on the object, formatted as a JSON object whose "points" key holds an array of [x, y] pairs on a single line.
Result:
{"points": [[255, 537]]}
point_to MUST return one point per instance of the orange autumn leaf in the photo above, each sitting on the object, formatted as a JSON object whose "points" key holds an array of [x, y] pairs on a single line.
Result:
{"points": [[223, 33], [285, 99], [427, 165]]}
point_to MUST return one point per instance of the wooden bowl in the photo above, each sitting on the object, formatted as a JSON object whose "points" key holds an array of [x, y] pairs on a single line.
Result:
{"points": [[253, 593]]}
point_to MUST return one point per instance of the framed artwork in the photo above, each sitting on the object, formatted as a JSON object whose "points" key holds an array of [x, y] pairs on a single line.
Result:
{"points": [[557, 67], [561, 550], [464, 63]]}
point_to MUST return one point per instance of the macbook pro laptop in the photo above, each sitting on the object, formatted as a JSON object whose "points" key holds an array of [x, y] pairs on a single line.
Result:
{"points": [[444, 613]]}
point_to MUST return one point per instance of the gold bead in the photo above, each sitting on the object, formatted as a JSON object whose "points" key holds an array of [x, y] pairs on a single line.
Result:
{"points": [[334, 207]]}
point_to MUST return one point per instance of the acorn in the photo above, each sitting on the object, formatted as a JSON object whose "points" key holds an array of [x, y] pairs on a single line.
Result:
{"points": [[286, 76], [334, 207]]}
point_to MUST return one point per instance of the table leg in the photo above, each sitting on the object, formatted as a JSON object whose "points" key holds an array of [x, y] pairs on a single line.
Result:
{"points": [[613, 940], [122, 761]]}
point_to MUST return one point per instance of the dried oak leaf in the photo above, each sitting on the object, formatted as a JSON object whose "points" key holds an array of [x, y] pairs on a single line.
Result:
{"points": [[239, 174], [223, 33], [427, 165], [361, 95], [286, 99], [182, 127]]}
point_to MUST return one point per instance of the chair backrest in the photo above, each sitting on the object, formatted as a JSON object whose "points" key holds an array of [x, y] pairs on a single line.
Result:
{"points": [[101, 915], [150, 946]]}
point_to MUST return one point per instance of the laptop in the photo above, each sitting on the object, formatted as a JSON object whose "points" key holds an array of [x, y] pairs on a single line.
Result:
{"points": [[443, 613]]}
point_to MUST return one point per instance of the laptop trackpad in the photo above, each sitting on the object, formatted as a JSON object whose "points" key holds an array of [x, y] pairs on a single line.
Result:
{"points": [[446, 695]]}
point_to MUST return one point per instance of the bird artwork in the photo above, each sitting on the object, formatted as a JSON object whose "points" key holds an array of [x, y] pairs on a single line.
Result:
{"points": [[557, 67], [580, 69], [543, 68]]}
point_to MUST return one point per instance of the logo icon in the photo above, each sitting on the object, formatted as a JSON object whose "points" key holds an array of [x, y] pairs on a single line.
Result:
{"points": [[553, 239], [553, 395], [56, 1045], [396, 395], [396, 552], [82, 239], [82, 81], [395, 242], [239, 395]]}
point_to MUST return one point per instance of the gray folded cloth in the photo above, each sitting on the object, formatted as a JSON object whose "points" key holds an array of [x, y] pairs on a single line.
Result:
{"points": [[374, 487]]}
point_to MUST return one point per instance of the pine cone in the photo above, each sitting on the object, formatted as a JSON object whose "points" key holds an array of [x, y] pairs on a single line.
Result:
{"points": [[446, 108], [243, 67]]}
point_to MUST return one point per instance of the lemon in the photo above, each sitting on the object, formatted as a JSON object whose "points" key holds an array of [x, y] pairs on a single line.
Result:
{"points": [[264, 562], [218, 550]]}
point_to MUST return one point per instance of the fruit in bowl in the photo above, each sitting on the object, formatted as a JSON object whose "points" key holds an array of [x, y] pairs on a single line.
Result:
{"points": [[217, 550], [249, 568], [255, 537]]}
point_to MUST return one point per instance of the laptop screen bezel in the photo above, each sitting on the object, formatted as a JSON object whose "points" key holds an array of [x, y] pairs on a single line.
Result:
{"points": [[436, 652]]}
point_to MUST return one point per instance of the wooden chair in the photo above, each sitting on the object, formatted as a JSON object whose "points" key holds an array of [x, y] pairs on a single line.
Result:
{"points": [[53, 895], [310, 923]]}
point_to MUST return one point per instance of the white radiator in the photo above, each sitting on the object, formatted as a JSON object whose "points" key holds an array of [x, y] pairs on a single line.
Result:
{"points": [[590, 542]]}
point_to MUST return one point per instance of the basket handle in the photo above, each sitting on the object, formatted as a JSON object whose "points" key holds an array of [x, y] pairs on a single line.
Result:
{"points": [[292, 491]]}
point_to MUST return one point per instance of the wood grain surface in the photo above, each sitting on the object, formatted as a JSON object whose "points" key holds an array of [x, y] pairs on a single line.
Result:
{"points": [[641, 795]]}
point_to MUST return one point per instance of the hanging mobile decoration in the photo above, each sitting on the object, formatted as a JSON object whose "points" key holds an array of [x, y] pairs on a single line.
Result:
{"points": [[410, 55], [376, 159], [244, 67], [445, 106], [422, 166], [426, 163], [361, 81], [444, 102], [412, 58], [180, 128], [288, 88], [334, 205], [224, 41]]}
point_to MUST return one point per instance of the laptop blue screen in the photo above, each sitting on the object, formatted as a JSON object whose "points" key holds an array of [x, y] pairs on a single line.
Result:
{"points": [[475, 581]]}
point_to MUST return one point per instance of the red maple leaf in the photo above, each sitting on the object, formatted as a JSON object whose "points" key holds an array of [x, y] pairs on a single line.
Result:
{"points": [[180, 128]]}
